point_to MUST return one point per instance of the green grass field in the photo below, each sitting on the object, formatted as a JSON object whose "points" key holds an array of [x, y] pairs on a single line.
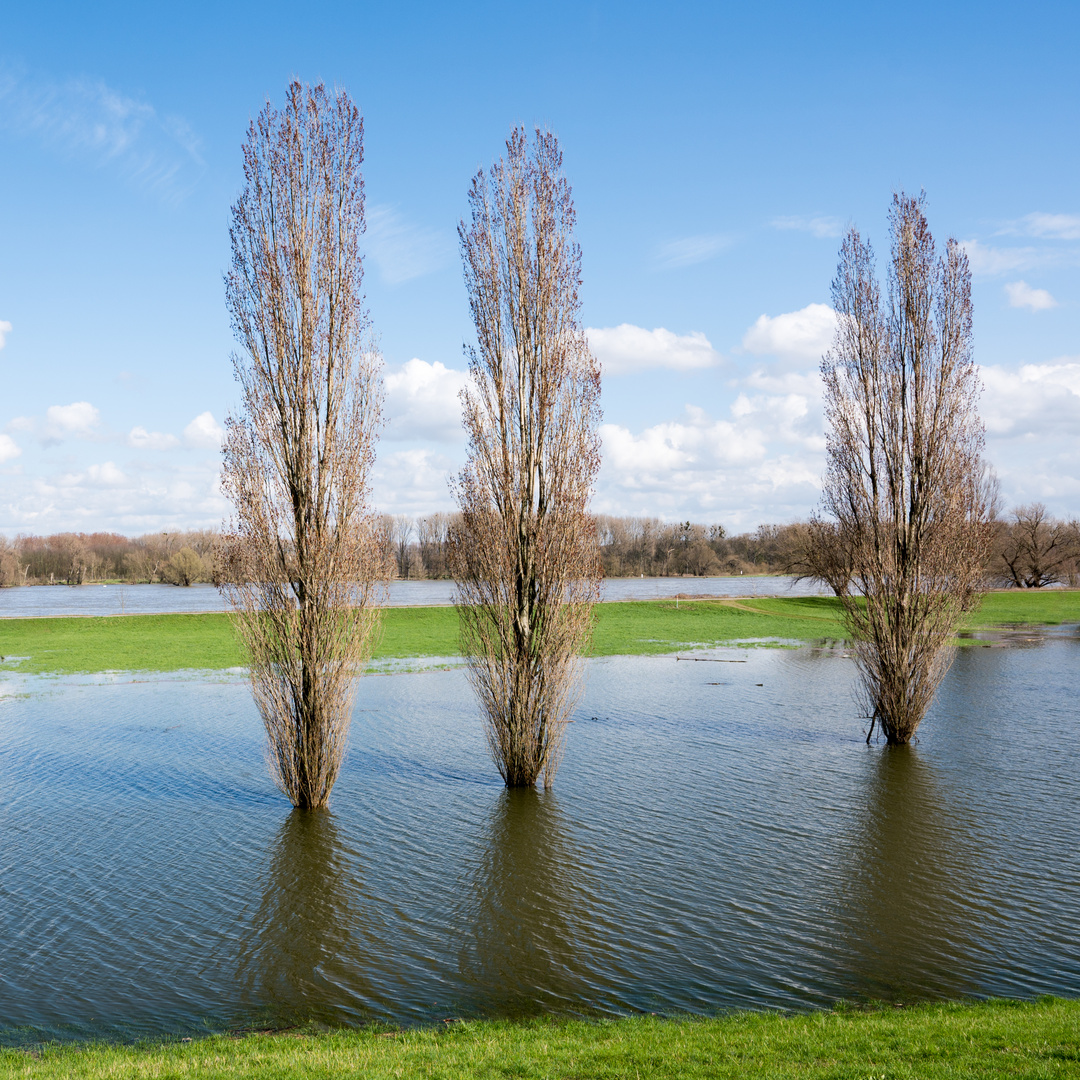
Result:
{"points": [[931, 1042], [177, 642]]}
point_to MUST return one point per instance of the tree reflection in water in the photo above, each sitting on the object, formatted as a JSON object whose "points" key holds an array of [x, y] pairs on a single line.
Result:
{"points": [[907, 882], [525, 953], [300, 960]]}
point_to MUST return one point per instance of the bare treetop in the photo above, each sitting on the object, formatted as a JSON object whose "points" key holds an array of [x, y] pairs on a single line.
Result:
{"points": [[301, 557], [524, 551], [905, 485]]}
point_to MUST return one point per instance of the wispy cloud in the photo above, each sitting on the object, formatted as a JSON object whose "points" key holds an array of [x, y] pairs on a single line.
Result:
{"points": [[1022, 295], [87, 118], [996, 260], [105, 475], [1046, 226], [141, 439], [820, 226], [691, 250], [5, 329], [403, 250]]}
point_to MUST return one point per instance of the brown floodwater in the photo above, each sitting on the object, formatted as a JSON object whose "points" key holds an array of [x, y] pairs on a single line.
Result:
{"points": [[719, 837]]}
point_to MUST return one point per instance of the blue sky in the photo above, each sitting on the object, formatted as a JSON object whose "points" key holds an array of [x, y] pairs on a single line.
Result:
{"points": [[716, 151]]}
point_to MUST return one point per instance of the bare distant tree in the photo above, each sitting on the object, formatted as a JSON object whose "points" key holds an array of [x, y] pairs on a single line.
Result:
{"points": [[10, 570], [1038, 550], [524, 551], [432, 534], [905, 484], [71, 549], [300, 558], [185, 567], [401, 535]]}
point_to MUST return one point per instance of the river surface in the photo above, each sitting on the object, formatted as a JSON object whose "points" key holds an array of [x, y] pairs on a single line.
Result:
{"points": [[43, 600], [719, 836]]}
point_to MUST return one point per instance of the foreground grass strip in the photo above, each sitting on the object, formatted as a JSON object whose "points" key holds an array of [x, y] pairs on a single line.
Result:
{"points": [[177, 642], [992, 1039]]}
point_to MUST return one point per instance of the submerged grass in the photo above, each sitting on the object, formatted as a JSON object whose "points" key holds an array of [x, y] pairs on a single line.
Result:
{"points": [[177, 642], [991, 1039]]}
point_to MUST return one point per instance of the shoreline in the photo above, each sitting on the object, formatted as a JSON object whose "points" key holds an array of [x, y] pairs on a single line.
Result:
{"points": [[90, 644]]}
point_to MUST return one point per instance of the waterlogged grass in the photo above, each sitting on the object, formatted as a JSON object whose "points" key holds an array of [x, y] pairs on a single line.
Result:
{"points": [[992, 1039], [123, 643], [177, 642], [661, 626], [1015, 607]]}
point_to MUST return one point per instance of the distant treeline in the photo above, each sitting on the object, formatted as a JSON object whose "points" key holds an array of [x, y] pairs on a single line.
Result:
{"points": [[1032, 550], [629, 547], [179, 558]]}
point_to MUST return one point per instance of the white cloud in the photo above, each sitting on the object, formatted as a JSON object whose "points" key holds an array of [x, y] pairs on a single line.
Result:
{"points": [[422, 401], [78, 420], [1021, 294], [403, 251], [5, 329], [142, 439], [88, 118], [804, 383], [691, 250], [626, 348], [203, 432], [698, 443], [1032, 414], [153, 495], [1047, 226], [8, 448], [822, 227], [413, 481], [764, 463], [992, 261], [803, 335], [105, 475], [1033, 401]]}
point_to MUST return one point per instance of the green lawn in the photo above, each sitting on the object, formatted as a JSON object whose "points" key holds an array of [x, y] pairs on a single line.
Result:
{"points": [[993, 1039], [176, 642]]}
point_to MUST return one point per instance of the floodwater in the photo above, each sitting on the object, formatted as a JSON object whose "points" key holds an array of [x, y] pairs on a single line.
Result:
{"points": [[56, 600], [719, 837]]}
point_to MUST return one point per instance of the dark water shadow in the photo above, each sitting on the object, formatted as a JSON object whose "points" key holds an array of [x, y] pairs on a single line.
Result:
{"points": [[524, 919], [301, 957], [909, 909]]}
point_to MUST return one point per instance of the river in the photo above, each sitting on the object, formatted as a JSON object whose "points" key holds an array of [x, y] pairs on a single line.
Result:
{"points": [[719, 837], [56, 600]]}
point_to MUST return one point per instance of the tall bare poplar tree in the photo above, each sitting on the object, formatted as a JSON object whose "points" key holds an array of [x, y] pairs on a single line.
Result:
{"points": [[524, 552], [905, 484], [300, 558]]}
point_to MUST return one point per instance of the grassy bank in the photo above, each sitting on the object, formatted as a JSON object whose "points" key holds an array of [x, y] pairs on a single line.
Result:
{"points": [[994, 1039], [175, 642]]}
